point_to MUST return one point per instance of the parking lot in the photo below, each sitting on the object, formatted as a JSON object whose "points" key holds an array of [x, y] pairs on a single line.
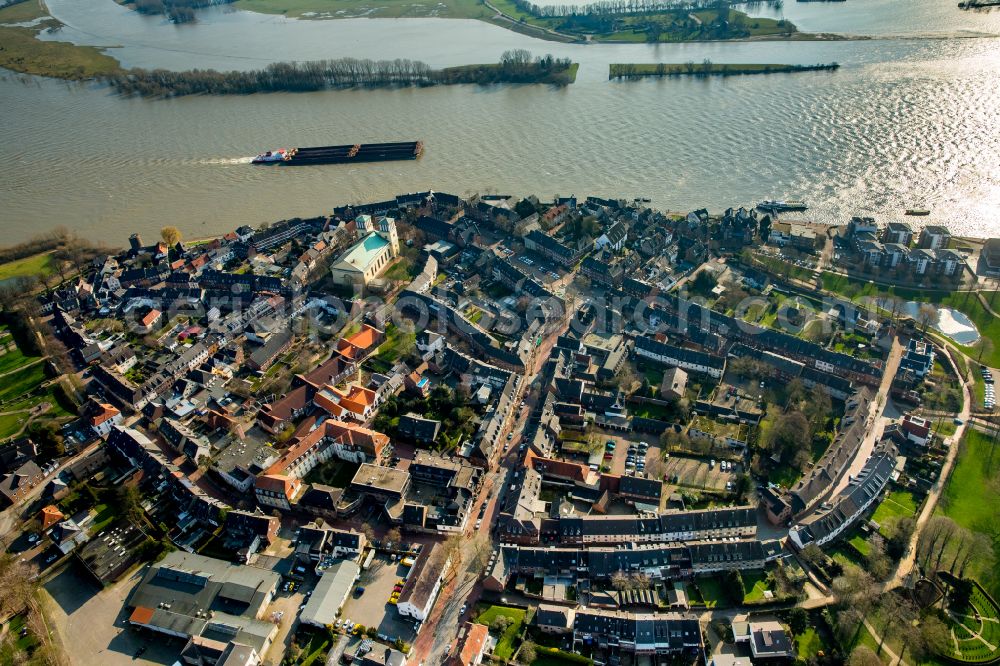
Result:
{"points": [[695, 473], [284, 611], [372, 608], [618, 463], [989, 393], [91, 623]]}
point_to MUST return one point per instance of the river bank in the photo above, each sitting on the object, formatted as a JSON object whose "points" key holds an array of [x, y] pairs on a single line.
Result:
{"points": [[28, 46], [708, 68], [113, 165], [22, 51], [515, 67]]}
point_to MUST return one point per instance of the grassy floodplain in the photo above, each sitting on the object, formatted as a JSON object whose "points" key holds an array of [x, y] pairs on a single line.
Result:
{"points": [[326, 9], [36, 264], [634, 71], [20, 51], [661, 26]]}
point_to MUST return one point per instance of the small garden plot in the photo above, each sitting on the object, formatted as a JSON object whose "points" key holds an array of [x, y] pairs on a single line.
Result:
{"points": [[755, 583], [506, 630], [898, 504]]}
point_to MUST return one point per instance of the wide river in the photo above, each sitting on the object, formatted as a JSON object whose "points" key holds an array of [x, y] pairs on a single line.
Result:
{"points": [[906, 121]]}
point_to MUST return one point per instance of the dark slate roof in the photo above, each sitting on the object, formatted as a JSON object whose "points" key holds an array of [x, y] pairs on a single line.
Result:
{"points": [[321, 497], [756, 336], [679, 353], [416, 427], [433, 226], [847, 506], [552, 616], [676, 632], [551, 244], [639, 487], [665, 524], [617, 233]]}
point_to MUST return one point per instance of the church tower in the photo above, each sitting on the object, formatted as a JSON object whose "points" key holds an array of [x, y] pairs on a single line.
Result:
{"points": [[363, 224], [387, 230]]}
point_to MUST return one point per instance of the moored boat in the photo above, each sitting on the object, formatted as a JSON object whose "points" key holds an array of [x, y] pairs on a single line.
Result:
{"points": [[781, 206]]}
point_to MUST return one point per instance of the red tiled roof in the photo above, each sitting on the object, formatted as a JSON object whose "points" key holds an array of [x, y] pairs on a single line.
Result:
{"points": [[277, 483], [151, 317], [562, 468], [50, 516], [370, 441], [356, 345], [473, 643], [106, 413]]}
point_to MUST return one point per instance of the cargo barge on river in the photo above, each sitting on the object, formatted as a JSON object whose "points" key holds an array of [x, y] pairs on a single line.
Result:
{"points": [[347, 154]]}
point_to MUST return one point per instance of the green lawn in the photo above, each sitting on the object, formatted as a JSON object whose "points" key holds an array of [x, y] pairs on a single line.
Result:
{"points": [[860, 543], [315, 649], [505, 642], [11, 424], [15, 359], [104, 516], [972, 498], [38, 264], [808, 644], [754, 585], [14, 644], [397, 343], [785, 476], [965, 302], [21, 381], [648, 411], [784, 268], [711, 592], [546, 656], [977, 640], [844, 556], [864, 637], [56, 409], [944, 427], [898, 504], [404, 269]]}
